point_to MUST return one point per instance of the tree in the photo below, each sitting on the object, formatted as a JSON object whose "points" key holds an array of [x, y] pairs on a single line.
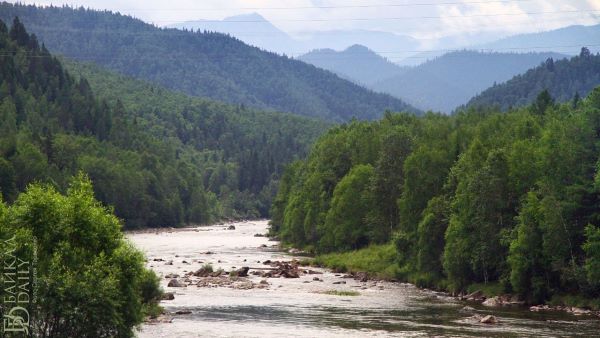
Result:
{"points": [[92, 283], [592, 253], [351, 202]]}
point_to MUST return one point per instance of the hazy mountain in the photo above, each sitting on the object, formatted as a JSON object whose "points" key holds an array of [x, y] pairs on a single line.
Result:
{"points": [[202, 64], [252, 28], [563, 79], [357, 63], [257, 31], [567, 40], [388, 44], [450, 80]]}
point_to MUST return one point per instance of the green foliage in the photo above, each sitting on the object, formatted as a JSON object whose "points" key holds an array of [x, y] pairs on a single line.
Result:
{"points": [[341, 293], [376, 260], [592, 252], [350, 204], [91, 281], [483, 197]]}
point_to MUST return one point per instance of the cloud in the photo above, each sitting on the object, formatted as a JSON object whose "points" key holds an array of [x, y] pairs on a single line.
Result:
{"points": [[424, 21]]}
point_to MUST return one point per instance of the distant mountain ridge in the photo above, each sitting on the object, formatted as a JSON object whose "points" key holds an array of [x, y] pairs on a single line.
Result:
{"points": [[451, 80], [564, 79], [202, 64], [257, 31], [357, 62]]}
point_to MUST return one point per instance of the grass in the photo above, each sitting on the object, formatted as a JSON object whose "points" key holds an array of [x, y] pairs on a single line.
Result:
{"points": [[208, 267], [376, 260], [576, 301], [341, 293], [489, 290]]}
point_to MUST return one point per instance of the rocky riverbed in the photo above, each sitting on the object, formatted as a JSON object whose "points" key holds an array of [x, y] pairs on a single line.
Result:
{"points": [[228, 280]]}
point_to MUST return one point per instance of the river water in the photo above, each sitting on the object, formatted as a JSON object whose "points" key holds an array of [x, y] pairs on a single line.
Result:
{"points": [[298, 307]]}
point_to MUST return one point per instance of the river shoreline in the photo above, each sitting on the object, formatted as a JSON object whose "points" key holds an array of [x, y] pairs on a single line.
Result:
{"points": [[321, 303]]}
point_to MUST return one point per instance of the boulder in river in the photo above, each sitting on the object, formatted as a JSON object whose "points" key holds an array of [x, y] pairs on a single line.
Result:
{"points": [[168, 296], [494, 301], [231, 227], [476, 296], [203, 272], [489, 319], [242, 272], [175, 283]]}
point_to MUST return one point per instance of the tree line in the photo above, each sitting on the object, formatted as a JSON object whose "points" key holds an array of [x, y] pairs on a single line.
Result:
{"points": [[478, 197]]}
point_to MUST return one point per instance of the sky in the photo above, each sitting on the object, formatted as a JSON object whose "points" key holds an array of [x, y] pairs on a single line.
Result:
{"points": [[423, 19]]}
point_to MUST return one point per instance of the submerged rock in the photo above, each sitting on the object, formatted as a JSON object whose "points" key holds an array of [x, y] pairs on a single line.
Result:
{"points": [[489, 319]]}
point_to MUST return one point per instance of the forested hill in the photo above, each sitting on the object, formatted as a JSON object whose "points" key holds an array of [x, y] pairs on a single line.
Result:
{"points": [[203, 64], [357, 63], [444, 83], [564, 79], [160, 158], [508, 201]]}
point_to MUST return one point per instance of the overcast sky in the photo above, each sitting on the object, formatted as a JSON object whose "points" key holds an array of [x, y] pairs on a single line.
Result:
{"points": [[418, 18]]}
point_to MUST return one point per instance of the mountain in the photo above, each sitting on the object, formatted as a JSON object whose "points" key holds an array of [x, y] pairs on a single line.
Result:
{"points": [[252, 28], [448, 81], [160, 158], [203, 64], [567, 40], [257, 31], [564, 79], [357, 63], [385, 43]]}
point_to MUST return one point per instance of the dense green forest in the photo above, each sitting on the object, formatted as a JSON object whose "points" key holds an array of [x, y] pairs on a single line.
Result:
{"points": [[564, 79], [160, 158], [509, 199], [202, 64]]}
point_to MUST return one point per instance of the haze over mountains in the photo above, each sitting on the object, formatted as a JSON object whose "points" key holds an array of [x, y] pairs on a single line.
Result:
{"points": [[440, 84], [257, 31], [439, 78], [357, 63], [210, 65], [450, 80]]}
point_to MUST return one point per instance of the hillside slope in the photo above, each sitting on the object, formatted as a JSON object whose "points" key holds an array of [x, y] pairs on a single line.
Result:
{"points": [[564, 79], [201, 64], [160, 158]]}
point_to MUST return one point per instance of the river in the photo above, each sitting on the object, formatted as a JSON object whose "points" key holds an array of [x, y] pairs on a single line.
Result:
{"points": [[298, 307]]}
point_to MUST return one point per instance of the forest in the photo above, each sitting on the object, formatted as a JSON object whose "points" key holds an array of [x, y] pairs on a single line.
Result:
{"points": [[565, 79], [159, 158], [204, 64], [504, 199]]}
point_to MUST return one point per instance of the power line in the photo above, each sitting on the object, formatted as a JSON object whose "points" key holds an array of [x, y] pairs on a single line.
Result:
{"points": [[398, 18], [324, 7]]}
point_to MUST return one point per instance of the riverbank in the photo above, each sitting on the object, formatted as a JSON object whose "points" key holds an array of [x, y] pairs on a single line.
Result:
{"points": [[379, 262], [214, 302]]}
